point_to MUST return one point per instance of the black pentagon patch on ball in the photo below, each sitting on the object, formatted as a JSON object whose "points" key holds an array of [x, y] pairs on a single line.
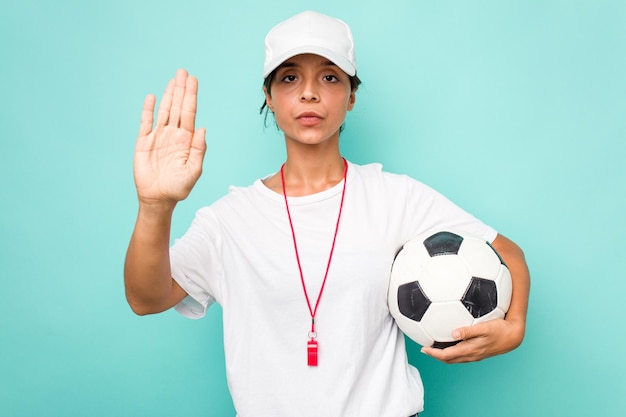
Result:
{"points": [[443, 345], [443, 243], [481, 297], [412, 302]]}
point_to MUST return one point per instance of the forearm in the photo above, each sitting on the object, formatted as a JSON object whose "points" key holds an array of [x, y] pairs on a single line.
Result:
{"points": [[147, 274]]}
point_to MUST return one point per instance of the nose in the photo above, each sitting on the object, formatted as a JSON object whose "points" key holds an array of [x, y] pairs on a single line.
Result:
{"points": [[309, 91]]}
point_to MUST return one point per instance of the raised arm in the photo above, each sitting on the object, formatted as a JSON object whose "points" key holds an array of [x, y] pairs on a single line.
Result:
{"points": [[494, 337], [167, 164]]}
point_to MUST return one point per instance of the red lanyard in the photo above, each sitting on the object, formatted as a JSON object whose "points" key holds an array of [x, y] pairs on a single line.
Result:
{"points": [[312, 346]]}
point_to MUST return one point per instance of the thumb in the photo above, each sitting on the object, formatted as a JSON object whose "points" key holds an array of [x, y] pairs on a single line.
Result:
{"points": [[468, 332]]}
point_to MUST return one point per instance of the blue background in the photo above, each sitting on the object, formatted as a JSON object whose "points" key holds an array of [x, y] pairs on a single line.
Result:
{"points": [[515, 110]]}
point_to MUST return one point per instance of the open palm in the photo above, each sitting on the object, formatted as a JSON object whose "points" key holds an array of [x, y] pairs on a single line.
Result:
{"points": [[168, 156]]}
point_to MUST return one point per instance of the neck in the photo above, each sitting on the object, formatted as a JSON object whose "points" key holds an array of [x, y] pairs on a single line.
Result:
{"points": [[304, 176], [309, 169], [308, 173]]}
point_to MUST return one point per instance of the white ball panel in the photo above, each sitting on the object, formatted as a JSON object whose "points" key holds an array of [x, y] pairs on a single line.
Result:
{"points": [[414, 331], [442, 318], [409, 263], [392, 299], [481, 260], [505, 288], [445, 278]]}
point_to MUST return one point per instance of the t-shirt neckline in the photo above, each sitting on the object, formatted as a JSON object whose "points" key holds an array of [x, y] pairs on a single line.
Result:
{"points": [[306, 199]]}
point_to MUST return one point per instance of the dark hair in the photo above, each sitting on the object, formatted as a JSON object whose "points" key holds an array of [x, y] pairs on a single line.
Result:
{"points": [[355, 82]]}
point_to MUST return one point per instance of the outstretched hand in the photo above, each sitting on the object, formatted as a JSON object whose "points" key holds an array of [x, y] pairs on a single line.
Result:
{"points": [[168, 156]]}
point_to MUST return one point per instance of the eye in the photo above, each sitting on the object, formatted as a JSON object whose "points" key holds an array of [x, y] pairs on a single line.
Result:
{"points": [[288, 78], [331, 78]]}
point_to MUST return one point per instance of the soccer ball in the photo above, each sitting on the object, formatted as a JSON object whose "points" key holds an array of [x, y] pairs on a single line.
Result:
{"points": [[445, 280]]}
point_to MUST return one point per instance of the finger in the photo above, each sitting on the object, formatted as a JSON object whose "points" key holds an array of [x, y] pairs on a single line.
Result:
{"points": [[447, 354], [453, 354], [198, 148], [177, 98], [147, 115], [198, 144], [189, 106], [469, 332], [163, 114], [434, 353]]}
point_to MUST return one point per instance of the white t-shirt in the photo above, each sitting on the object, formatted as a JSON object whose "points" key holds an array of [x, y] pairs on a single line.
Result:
{"points": [[239, 252]]}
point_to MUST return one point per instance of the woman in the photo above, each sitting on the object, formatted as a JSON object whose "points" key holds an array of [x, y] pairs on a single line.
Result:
{"points": [[299, 261]]}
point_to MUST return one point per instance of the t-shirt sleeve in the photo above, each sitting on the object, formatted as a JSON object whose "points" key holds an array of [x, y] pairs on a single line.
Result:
{"points": [[196, 264]]}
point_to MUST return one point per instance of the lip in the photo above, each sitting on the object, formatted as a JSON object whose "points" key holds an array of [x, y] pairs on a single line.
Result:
{"points": [[309, 118]]}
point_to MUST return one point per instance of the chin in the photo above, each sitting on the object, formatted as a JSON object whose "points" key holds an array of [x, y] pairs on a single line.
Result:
{"points": [[313, 139]]}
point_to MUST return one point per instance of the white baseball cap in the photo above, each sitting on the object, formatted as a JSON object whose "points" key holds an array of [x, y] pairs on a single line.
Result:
{"points": [[310, 33]]}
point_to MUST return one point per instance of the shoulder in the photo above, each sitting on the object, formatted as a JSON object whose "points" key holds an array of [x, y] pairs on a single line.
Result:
{"points": [[373, 174], [255, 196]]}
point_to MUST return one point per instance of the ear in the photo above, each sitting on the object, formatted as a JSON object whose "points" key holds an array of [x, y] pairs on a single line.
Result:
{"points": [[351, 100], [268, 100]]}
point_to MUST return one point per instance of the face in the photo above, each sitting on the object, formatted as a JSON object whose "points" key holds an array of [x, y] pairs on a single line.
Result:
{"points": [[310, 97]]}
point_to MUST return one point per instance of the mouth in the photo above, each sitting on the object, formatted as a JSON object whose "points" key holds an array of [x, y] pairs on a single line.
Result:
{"points": [[309, 118]]}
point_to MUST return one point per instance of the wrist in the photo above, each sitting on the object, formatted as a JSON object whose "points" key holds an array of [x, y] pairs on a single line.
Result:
{"points": [[156, 210]]}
